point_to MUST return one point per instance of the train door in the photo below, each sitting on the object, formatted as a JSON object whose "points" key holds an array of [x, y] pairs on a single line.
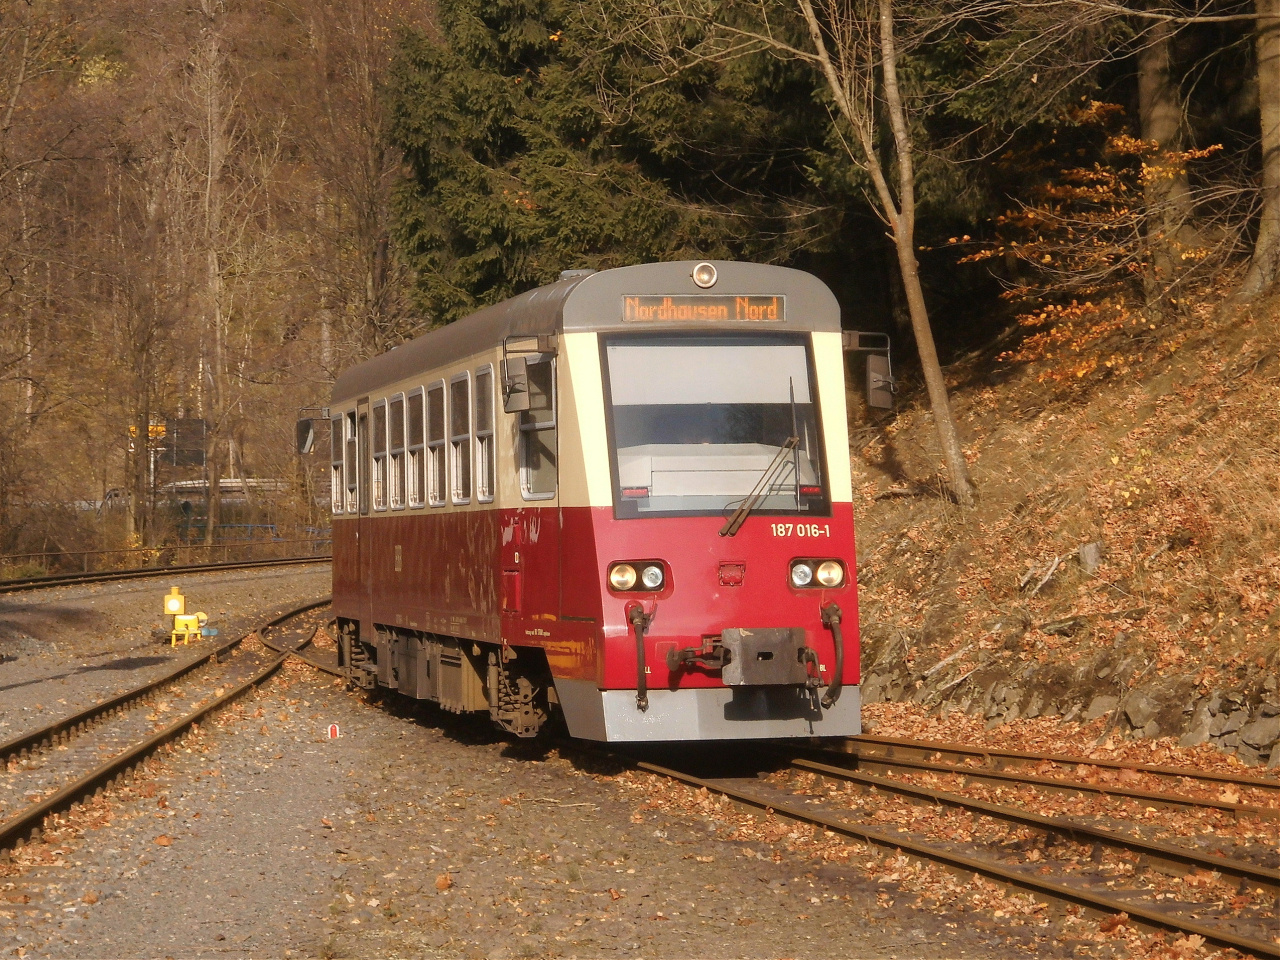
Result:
{"points": [[364, 533], [531, 546]]}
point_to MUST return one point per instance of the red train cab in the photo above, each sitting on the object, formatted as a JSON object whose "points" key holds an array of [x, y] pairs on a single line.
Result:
{"points": [[623, 497]]}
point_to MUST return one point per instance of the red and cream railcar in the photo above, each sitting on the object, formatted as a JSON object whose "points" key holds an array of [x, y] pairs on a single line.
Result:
{"points": [[624, 496]]}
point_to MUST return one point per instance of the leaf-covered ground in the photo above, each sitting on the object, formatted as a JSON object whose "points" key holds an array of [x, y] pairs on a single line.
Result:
{"points": [[1167, 474]]}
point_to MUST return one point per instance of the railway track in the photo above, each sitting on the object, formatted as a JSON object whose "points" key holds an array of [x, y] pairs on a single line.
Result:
{"points": [[1112, 777], [47, 771], [861, 790], [1113, 794], [110, 576], [323, 662], [1061, 857]]}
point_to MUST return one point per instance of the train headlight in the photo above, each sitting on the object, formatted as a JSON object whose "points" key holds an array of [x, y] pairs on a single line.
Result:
{"points": [[622, 576], [704, 275], [801, 574], [651, 577], [830, 573]]}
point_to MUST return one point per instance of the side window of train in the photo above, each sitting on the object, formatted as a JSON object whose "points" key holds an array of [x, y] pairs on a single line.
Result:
{"points": [[460, 437], [417, 465], [485, 458], [538, 434], [349, 466], [435, 444], [337, 494], [379, 478], [395, 450]]}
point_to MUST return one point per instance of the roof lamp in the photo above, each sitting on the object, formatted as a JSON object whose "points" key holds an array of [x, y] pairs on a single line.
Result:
{"points": [[704, 275]]}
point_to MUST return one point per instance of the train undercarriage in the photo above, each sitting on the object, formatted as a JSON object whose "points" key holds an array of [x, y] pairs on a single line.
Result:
{"points": [[512, 684]]}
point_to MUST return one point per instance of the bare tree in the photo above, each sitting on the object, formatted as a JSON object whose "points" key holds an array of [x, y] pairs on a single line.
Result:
{"points": [[223, 179], [354, 266], [1265, 265], [1167, 189], [849, 44], [33, 47], [854, 47]]}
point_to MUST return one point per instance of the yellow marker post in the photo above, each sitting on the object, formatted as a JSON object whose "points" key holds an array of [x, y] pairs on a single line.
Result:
{"points": [[175, 605]]}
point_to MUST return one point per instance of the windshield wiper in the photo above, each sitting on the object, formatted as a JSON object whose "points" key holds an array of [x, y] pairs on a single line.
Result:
{"points": [[762, 487]]}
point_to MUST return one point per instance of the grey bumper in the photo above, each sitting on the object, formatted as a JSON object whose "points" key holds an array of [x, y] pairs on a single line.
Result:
{"points": [[710, 713]]}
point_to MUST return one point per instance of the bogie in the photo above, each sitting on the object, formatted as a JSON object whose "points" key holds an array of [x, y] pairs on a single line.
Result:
{"points": [[513, 686]]}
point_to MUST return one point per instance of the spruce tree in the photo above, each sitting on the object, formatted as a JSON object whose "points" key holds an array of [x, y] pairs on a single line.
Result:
{"points": [[533, 148]]}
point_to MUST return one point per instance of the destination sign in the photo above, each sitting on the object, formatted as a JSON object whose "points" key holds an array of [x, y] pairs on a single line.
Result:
{"points": [[695, 307]]}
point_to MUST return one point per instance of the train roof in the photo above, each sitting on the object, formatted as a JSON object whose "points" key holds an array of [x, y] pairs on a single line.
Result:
{"points": [[593, 302]]}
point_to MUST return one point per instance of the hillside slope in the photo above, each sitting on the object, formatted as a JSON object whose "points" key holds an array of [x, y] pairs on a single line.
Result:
{"points": [[1122, 566]]}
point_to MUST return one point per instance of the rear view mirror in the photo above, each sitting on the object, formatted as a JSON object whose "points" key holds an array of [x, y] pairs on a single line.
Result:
{"points": [[515, 384], [880, 382], [306, 435]]}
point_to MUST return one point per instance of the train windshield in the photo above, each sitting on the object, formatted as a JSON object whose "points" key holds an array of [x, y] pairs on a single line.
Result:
{"points": [[699, 423]]}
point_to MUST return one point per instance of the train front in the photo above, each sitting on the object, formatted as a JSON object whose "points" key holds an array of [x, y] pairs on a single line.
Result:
{"points": [[710, 413]]}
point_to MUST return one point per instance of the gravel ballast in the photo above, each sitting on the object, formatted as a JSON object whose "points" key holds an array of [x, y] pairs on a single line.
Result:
{"points": [[415, 833], [63, 649]]}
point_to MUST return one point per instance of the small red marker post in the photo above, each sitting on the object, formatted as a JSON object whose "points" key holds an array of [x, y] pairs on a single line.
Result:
{"points": [[334, 732]]}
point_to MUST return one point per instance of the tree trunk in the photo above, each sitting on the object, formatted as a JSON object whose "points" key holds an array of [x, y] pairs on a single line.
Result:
{"points": [[214, 111], [939, 401], [213, 491], [1167, 194], [904, 236], [133, 487], [855, 100], [214, 364], [1266, 250]]}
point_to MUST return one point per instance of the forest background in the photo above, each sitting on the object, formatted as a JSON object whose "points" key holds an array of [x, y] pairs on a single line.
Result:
{"points": [[208, 209]]}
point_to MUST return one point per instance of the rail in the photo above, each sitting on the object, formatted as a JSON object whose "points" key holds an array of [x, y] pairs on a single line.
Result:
{"points": [[27, 824], [137, 573], [751, 792], [80, 562]]}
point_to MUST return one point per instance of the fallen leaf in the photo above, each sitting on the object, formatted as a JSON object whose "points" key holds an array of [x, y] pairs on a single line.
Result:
{"points": [[263, 730], [614, 894], [219, 691], [444, 882], [164, 840], [90, 898], [327, 822], [1113, 923], [1187, 946]]}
